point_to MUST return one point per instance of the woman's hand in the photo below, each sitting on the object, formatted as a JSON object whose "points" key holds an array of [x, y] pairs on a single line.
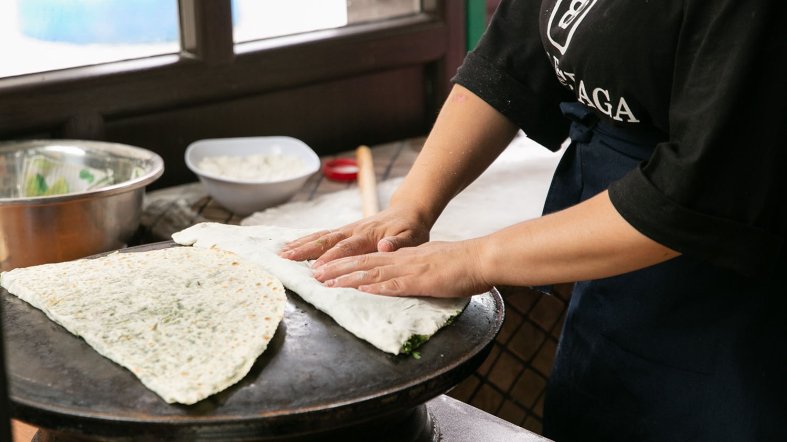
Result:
{"points": [[438, 269], [387, 231]]}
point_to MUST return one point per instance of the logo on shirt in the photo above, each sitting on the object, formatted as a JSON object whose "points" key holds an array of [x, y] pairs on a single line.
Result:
{"points": [[615, 107], [564, 20]]}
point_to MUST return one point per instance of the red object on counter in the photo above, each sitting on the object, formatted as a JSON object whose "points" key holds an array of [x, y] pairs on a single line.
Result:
{"points": [[341, 169]]}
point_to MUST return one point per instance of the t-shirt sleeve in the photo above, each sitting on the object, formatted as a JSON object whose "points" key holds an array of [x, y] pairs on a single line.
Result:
{"points": [[716, 189], [509, 69]]}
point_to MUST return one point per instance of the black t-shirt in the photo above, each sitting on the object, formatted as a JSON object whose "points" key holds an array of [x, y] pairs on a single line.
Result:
{"points": [[709, 74]]}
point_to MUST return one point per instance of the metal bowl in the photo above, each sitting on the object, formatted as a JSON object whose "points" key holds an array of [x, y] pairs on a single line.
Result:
{"points": [[87, 218]]}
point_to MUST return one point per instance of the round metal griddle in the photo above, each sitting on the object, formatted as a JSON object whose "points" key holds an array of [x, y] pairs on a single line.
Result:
{"points": [[314, 377]]}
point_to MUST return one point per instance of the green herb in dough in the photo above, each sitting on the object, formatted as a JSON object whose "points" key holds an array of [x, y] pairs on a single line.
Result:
{"points": [[414, 342]]}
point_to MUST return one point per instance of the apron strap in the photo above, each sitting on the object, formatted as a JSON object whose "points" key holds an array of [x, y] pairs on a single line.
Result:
{"points": [[583, 120], [633, 140]]}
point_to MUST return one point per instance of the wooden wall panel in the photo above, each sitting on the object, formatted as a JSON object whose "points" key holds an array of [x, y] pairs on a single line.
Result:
{"points": [[329, 117], [367, 83]]}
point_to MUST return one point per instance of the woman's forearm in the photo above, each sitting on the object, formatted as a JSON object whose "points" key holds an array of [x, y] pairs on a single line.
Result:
{"points": [[587, 241], [467, 137]]}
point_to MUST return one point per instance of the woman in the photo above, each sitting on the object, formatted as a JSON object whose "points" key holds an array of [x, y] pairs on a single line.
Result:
{"points": [[667, 206]]}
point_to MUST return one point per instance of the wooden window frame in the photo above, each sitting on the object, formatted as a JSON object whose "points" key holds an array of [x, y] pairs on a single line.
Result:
{"points": [[88, 102]]}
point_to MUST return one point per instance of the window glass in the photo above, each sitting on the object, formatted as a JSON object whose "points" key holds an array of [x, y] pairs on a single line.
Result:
{"points": [[44, 35], [257, 19], [359, 11]]}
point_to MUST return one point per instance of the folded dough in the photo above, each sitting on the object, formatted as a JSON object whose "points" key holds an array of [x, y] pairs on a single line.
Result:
{"points": [[392, 324]]}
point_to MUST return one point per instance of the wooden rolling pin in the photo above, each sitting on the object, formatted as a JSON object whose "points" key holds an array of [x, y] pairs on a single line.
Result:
{"points": [[366, 181]]}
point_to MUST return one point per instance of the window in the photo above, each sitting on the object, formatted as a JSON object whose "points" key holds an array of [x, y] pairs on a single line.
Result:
{"points": [[256, 19], [45, 35], [359, 11], [374, 71]]}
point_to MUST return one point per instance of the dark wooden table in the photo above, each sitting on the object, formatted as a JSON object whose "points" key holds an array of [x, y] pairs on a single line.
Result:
{"points": [[173, 209]]}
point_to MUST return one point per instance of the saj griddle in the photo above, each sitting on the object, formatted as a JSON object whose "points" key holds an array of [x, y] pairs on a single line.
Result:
{"points": [[315, 382]]}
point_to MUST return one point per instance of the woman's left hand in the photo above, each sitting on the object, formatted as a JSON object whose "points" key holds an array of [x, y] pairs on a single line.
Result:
{"points": [[438, 269]]}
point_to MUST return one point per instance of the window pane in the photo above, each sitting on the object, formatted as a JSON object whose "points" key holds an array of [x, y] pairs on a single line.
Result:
{"points": [[367, 10], [44, 35], [256, 19]]}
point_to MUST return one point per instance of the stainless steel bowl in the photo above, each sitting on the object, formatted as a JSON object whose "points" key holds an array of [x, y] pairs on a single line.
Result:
{"points": [[81, 222]]}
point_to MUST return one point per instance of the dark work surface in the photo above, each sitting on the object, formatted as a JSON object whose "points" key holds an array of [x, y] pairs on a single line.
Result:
{"points": [[314, 375]]}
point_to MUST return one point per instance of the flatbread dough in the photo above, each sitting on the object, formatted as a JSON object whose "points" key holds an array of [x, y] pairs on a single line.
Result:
{"points": [[187, 322], [392, 324]]}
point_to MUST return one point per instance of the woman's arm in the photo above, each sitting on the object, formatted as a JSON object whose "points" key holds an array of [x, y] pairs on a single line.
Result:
{"points": [[467, 136], [587, 241]]}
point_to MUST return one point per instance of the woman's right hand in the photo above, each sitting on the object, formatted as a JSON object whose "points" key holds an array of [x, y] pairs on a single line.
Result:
{"points": [[387, 231]]}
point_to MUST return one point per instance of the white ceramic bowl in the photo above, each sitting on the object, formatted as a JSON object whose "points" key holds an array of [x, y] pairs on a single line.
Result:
{"points": [[246, 196]]}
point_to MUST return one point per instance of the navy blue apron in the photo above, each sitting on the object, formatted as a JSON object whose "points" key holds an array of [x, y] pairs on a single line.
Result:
{"points": [[679, 351]]}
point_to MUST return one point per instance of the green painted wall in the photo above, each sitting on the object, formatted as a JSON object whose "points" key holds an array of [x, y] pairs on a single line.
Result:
{"points": [[476, 21]]}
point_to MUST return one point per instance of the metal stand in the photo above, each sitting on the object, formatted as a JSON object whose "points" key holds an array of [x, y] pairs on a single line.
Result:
{"points": [[5, 416], [414, 425]]}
